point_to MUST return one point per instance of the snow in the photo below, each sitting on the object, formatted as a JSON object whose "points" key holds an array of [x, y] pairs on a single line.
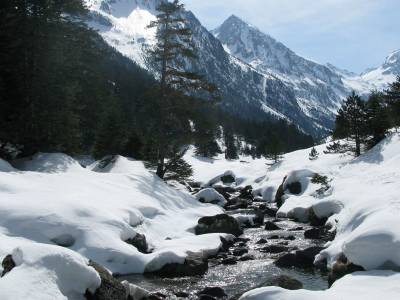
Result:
{"points": [[6, 167], [363, 207], [360, 200], [357, 286], [48, 272], [209, 195], [128, 31], [59, 213]]}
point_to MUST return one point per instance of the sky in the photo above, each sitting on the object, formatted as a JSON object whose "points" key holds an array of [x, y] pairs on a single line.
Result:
{"points": [[350, 34]]}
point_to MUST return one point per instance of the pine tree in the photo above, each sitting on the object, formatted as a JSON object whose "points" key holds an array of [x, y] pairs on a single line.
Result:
{"points": [[377, 119], [392, 96], [173, 47], [206, 133], [313, 154], [351, 122], [274, 149], [231, 149]]}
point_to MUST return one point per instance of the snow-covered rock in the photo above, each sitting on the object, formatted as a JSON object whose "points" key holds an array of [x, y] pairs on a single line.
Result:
{"points": [[358, 286], [209, 195], [45, 272]]}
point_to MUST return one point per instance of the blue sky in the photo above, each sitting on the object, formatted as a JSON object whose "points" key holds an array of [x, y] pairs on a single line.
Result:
{"points": [[351, 34]]}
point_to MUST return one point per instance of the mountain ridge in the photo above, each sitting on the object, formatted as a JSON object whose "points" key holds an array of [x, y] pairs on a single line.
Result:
{"points": [[267, 81]]}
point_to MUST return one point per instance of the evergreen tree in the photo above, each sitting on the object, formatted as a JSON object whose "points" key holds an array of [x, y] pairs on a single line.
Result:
{"points": [[313, 154], [231, 149], [173, 47], [392, 96], [274, 149], [206, 133], [377, 120], [350, 122]]}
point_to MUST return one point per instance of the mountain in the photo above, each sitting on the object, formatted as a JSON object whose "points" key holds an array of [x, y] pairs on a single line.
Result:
{"points": [[245, 91], [259, 77], [373, 78], [318, 89]]}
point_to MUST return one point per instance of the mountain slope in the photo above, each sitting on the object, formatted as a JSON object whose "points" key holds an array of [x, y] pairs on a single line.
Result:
{"points": [[317, 88], [258, 77], [245, 91], [374, 78]]}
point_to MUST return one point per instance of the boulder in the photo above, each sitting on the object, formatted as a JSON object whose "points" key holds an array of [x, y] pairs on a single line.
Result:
{"points": [[215, 292], [228, 178], [155, 296], [8, 264], [231, 260], [271, 212], [135, 292], [247, 193], [280, 193], [294, 188], [341, 268], [226, 244], [273, 249], [314, 220], [239, 251], [206, 297], [271, 226], [139, 241], [247, 257], [237, 203], [285, 282], [299, 228], [319, 233], [222, 223], [182, 294], [193, 265], [300, 258], [110, 288]]}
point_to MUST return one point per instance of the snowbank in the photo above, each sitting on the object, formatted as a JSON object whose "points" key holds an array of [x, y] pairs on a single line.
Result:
{"points": [[49, 163], [357, 286], [45, 272], [55, 201], [210, 195]]}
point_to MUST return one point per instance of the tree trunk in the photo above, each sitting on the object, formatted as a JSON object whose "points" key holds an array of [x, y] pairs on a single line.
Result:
{"points": [[358, 147]]}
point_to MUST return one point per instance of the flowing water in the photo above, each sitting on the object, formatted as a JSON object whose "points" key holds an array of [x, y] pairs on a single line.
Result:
{"points": [[243, 276]]}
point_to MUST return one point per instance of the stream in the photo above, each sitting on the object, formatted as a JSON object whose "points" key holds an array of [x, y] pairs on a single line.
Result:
{"points": [[245, 275]]}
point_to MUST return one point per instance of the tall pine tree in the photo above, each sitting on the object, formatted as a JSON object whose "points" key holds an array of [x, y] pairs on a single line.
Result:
{"points": [[176, 85], [350, 122]]}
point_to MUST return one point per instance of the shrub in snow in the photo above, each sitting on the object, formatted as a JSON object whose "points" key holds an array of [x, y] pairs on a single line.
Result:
{"points": [[210, 195], [313, 154]]}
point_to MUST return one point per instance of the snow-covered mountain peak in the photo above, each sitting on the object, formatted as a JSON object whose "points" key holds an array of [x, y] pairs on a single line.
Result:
{"points": [[122, 8], [393, 58]]}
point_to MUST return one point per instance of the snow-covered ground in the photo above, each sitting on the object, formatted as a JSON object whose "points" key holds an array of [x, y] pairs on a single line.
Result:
{"points": [[357, 286], [360, 198], [55, 215], [52, 201]]}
